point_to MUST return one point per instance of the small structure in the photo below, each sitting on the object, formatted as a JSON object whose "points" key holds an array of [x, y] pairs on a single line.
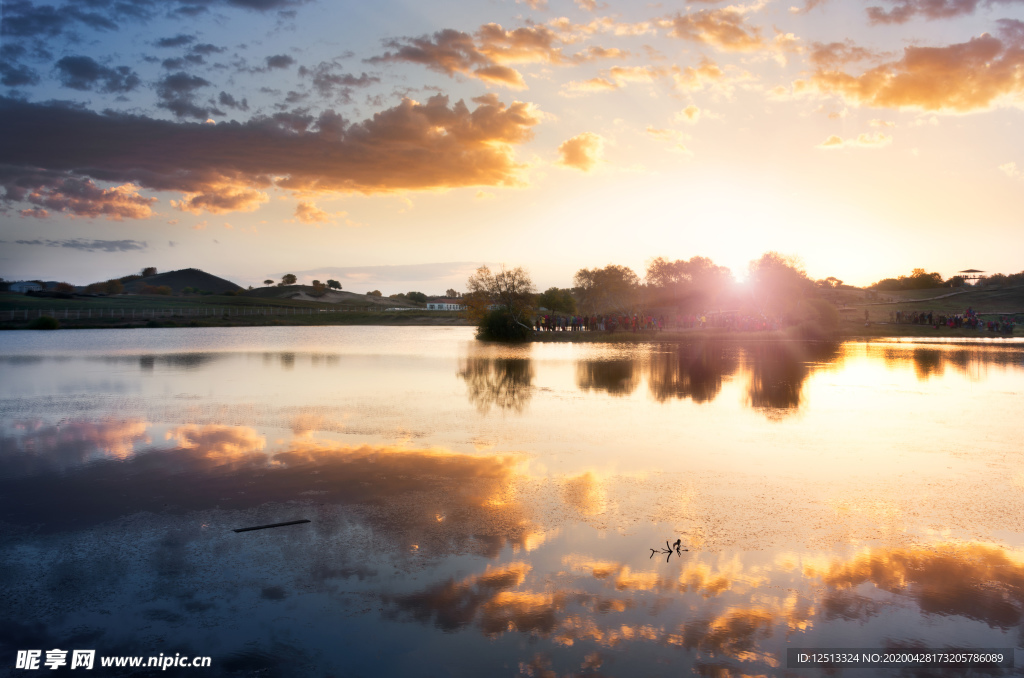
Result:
{"points": [[971, 275], [23, 286], [445, 304]]}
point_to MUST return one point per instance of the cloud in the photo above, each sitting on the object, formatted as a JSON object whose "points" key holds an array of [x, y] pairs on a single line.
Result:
{"points": [[329, 83], [308, 213], [962, 77], [690, 114], [864, 140], [229, 101], [1010, 170], [903, 11], [582, 152], [725, 29], [23, 18], [616, 77], [17, 75], [177, 94], [72, 195], [52, 153], [487, 55], [179, 40], [832, 54], [675, 139], [85, 73], [279, 61], [91, 245]]}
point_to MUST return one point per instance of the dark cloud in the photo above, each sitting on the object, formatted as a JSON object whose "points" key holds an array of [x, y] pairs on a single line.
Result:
{"points": [[17, 75], [85, 73], [49, 150], [91, 245], [179, 40], [72, 195], [177, 94], [207, 49], [902, 11], [279, 61], [229, 101], [177, 63], [22, 18], [328, 82]]}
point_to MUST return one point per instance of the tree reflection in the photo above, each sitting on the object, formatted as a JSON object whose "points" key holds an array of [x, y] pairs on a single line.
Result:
{"points": [[506, 383], [694, 371], [778, 371], [616, 377]]}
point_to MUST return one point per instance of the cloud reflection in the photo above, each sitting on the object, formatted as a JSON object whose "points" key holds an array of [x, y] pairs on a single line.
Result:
{"points": [[739, 615], [439, 500]]}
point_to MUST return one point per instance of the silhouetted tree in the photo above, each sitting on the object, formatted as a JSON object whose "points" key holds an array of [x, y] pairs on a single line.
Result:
{"points": [[375, 293], [287, 279], [510, 292], [148, 271], [334, 284], [451, 293], [560, 300], [268, 283], [612, 288]]}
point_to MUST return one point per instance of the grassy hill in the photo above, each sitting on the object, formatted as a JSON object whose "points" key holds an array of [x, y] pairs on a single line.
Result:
{"points": [[304, 293], [186, 277]]}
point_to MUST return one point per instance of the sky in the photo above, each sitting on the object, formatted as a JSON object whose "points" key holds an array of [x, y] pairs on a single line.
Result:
{"points": [[399, 145]]}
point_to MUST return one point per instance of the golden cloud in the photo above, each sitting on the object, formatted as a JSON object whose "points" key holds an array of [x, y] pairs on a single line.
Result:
{"points": [[582, 152], [223, 168], [864, 140], [963, 77], [725, 29]]}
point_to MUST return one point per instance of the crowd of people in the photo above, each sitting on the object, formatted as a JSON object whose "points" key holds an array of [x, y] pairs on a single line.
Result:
{"points": [[968, 319], [646, 322]]}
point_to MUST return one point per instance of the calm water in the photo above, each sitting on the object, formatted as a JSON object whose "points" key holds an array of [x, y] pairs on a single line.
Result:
{"points": [[480, 510]]}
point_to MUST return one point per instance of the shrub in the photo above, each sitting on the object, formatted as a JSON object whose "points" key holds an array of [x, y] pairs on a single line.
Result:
{"points": [[499, 325], [44, 323]]}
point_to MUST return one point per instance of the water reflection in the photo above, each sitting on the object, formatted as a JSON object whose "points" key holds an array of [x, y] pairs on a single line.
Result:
{"points": [[737, 614], [615, 377], [506, 383], [778, 372], [693, 371], [440, 500]]}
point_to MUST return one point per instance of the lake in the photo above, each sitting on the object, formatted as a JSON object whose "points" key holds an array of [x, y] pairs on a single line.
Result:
{"points": [[485, 510]]}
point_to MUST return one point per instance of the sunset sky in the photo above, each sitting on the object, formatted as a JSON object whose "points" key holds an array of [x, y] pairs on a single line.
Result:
{"points": [[399, 145]]}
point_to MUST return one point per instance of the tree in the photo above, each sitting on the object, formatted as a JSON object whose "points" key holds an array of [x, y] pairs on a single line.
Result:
{"points": [[696, 283], [114, 287], [334, 284], [556, 299], [418, 297], [268, 282], [612, 288], [319, 289], [148, 271], [374, 293], [64, 288], [510, 293], [777, 283], [451, 293], [287, 279]]}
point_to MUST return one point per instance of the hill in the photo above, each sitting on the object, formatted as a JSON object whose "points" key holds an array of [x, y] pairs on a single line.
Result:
{"points": [[303, 293], [186, 277]]}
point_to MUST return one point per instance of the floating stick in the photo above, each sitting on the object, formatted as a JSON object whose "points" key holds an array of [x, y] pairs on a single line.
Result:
{"points": [[263, 527]]}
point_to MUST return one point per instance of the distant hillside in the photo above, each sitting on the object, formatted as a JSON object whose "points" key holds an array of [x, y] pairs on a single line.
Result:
{"points": [[186, 277], [302, 293]]}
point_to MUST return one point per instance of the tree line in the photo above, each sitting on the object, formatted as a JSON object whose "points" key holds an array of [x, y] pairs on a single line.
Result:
{"points": [[777, 287]]}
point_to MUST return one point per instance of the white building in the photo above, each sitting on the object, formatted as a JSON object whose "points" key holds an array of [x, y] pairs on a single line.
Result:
{"points": [[25, 286], [445, 304]]}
